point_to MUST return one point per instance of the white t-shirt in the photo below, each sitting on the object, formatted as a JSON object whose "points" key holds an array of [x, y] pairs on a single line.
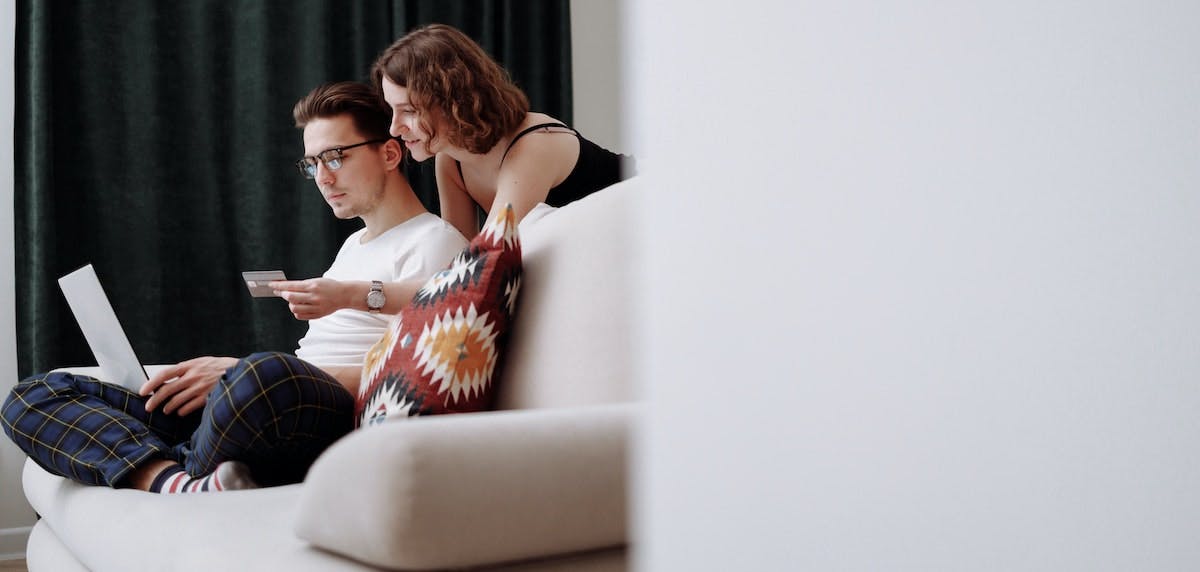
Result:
{"points": [[413, 249]]}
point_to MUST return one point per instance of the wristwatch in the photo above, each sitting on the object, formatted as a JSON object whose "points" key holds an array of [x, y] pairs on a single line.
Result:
{"points": [[375, 297]]}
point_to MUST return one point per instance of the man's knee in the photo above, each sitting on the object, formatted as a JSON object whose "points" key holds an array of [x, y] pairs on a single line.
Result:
{"points": [[28, 393], [38, 383], [271, 373], [33, 390], [277, 362], [264, 369]]}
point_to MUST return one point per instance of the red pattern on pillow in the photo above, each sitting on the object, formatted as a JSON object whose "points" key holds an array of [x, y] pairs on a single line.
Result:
{"points": [[441, 354]]}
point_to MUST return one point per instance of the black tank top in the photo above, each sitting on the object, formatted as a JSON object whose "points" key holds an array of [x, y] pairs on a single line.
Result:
{"points": [[595, 169]]}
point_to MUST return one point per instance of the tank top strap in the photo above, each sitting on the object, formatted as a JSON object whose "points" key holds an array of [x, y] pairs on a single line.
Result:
{"points": [[527, 131]]}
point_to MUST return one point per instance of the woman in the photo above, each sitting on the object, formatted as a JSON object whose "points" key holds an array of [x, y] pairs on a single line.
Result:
{"points": [[451, 101]]}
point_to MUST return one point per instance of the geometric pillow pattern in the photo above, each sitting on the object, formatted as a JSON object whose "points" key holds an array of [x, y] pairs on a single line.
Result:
{"points": [[442, 353]]}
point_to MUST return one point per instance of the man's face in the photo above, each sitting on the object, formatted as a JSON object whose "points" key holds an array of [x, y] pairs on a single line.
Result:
{"points": [[406, 122], [357, 187]]}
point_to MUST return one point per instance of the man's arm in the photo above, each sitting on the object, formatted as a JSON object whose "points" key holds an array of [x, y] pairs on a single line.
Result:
{"points": [[318, 297]]}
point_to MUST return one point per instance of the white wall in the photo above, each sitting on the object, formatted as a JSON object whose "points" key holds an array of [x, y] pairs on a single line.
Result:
{"points": [[15, 515], [920, 284], [596, 71]]}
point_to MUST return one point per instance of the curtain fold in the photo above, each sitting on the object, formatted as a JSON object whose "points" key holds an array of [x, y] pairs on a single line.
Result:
{"points": [[155, 141]]}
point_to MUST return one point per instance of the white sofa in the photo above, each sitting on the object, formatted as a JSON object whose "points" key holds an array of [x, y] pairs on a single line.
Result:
{"points": [[538, 485]]}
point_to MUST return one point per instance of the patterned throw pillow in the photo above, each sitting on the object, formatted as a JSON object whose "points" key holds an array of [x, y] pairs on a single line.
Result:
{"points": [[440, 355]]}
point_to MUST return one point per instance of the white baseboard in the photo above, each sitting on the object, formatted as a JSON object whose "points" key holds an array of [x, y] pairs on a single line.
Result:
{"points": [[13, 541]]}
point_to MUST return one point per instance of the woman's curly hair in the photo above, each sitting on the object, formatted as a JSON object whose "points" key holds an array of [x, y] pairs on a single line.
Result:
{"points": [[450, 78]]}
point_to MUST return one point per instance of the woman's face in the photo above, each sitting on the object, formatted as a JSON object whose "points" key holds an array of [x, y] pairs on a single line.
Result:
{"points": [[406, 122]]}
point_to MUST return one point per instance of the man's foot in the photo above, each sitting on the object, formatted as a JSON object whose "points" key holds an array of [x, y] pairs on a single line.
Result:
{"points": [[229, 476]]}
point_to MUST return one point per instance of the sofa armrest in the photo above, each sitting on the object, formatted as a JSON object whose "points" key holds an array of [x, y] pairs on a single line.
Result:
{"points": [[474, 488]]}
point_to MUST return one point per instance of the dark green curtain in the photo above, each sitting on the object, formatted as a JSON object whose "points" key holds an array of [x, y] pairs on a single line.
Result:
{"points": [[155, 141]]}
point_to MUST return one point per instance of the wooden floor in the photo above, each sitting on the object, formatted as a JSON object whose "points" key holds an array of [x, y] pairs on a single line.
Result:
{"points": [[13, 566]]}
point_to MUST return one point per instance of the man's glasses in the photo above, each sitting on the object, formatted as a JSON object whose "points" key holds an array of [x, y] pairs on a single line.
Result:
{"points": [[331, 157]]}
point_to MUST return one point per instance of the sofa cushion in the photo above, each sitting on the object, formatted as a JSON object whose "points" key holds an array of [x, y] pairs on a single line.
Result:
{"points": [[125, 529], [572, 344], [440, 354], [455, 491]]}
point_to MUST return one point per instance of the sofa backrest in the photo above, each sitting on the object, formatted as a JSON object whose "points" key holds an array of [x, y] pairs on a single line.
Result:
{"points": [[571, 341]]}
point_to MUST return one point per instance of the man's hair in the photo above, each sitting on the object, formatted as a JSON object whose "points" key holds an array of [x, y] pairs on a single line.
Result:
{"points": [[370, 113], [448, 76]]}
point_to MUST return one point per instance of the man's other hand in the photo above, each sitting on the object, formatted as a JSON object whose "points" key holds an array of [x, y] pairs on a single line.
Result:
{"points": [[183, 387], [313, 298]]}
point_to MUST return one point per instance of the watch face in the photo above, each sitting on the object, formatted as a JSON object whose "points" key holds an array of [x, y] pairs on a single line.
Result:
{"points": [[375, 299]]}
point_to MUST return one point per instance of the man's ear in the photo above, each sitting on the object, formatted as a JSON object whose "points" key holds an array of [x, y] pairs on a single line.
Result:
{"points": [[393, 152]]}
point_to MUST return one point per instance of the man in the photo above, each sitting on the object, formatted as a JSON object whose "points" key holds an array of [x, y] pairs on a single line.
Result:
{"points": [[219, 423]]}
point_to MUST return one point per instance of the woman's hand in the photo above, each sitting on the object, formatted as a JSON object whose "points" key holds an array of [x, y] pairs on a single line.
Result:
{"points": [[183, 387], [313, 298]]}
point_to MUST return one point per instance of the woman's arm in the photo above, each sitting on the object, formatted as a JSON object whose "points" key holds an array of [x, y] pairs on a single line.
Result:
{"points": [[535, 164], [457, 206]]}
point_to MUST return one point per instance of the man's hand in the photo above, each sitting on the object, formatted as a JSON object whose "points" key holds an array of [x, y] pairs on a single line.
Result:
{"points": [[183, 387], [313, 298]]}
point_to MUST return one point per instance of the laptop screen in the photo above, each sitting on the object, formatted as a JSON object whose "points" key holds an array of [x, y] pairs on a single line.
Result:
{"points": [[103, 332]]}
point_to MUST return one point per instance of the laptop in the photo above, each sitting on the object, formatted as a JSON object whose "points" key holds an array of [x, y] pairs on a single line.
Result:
{"points": [[100, 327]]}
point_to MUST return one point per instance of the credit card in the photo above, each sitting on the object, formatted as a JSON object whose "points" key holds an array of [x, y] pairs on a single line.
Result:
{"points": [[257, 280]]}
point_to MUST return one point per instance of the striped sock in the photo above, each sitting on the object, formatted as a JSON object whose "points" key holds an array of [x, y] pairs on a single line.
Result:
{"points": [[229, 476]]}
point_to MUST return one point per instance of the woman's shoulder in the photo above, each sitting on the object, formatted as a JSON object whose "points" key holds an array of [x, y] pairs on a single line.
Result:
{"points": [[535, 123], [533, 119]]}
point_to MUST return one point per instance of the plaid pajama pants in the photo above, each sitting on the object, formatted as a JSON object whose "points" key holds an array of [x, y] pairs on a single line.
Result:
{"points": [[272, 411]]}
